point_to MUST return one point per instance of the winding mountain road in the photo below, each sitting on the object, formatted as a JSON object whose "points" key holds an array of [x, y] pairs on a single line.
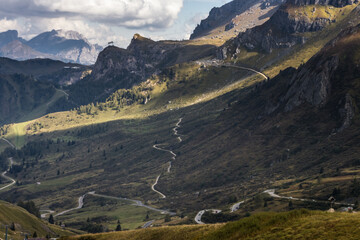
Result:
{"points": [[201, 213], [218, 63], [156, 146], [245, 68], [148, 224], [175, 130], [153, 187], [46, 212], [236, 206], [8, 142], [135, 203], [272, 193], [80, 205], [3, 175]]}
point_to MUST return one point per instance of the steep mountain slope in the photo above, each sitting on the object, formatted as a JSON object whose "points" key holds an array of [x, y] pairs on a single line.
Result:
{"points": [[46, 70], [300, 127], [20, 94], [20, 51], [234, 17], [118, 68], [28, 88], [192, 135], [26, 223], [286, 27], [9, 36]]}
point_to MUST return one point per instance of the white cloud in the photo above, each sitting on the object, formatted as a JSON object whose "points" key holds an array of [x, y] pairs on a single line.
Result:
{"points": [[102, 21], [14, 24], [126, 13], [94, 32]]}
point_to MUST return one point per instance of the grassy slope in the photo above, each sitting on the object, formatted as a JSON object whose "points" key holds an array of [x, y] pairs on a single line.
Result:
{"points": [[137, 128], [190, 87], [42, 109], [297, 56], [299, 224], [129, 179], [27, 97], [25, 222], [131, 217]]}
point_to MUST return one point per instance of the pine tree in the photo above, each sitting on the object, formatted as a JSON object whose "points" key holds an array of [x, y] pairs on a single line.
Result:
{"points": [[51, 219], [12, 226], [290, 204], [118, 228], [167, 218]]}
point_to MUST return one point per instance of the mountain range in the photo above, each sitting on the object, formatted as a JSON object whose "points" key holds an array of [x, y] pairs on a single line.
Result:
{"points": [[67, 46], [206, 130]]}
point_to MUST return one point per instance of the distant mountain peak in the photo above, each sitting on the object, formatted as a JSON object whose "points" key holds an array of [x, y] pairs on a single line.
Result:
{"points": [[67, 46], [9, 36], [69, 34]]}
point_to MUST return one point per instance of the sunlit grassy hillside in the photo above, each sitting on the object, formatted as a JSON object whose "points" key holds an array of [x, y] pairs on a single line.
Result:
{"points": [[299, 224], [25, 223]]}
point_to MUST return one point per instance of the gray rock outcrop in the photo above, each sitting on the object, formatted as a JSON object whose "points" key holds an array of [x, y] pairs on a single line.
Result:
{"points": [[280, 31]]}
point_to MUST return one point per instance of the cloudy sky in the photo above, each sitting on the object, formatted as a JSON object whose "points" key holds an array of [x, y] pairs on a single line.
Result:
{"points": [[102, 21]]}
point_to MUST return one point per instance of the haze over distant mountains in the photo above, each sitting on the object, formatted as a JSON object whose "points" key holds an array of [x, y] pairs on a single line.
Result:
{"points": [[67, 46]]}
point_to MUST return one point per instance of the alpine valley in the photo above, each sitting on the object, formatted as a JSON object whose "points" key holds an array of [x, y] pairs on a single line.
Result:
{"points": [[248, 130]]}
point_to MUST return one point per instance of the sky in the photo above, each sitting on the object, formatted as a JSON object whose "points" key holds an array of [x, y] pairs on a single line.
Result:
{"points": [[102, 21]]}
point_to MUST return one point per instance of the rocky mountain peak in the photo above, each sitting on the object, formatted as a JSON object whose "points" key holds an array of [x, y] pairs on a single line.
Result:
{"points": [[327, 80], [139, 40], [68, 46], [69, 34], [19, 50], [280, 31], [139, 37], [9, 36], [236, 16]]}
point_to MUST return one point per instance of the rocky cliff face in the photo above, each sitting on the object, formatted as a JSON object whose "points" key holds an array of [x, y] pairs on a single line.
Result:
{"points": [[327, 80], [132, 65], [311, 85], [236, 15], [142, 58], [282, 28], [118, 68]]}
